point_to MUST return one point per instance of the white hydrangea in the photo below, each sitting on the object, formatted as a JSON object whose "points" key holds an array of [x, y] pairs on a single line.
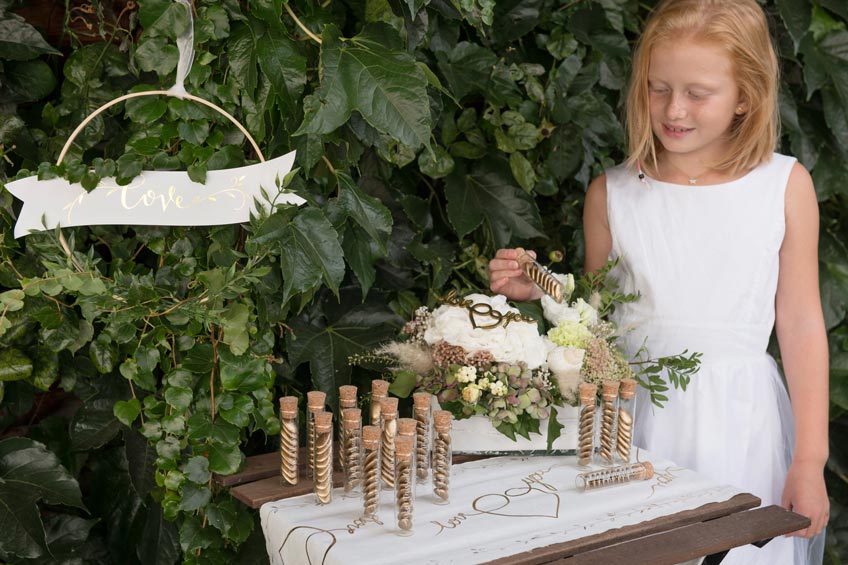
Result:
{"points": [[466, 374], [497, 388]]}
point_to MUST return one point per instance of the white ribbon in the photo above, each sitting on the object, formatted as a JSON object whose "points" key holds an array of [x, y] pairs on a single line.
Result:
{"points": [[185, 46]]}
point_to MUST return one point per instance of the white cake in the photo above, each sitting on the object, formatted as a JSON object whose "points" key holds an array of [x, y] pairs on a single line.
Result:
{"points": [[477, 435]]}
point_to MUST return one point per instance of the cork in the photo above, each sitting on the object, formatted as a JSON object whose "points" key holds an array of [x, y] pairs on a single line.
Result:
{"points": [[351, 415], [288, 407], [316, 399], [324, 422], [442, 420], [421, 399], [379, 387], [347, 393], [389, 407], [649, 470], [628, 388], [407, 426], [403, 447], [588, 392], [371, 437], [610, 391]]}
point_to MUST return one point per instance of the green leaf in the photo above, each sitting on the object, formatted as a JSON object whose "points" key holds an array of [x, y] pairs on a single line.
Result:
{"points": [[232, 519], [267, 10], [179, 398], [522, 171], [366, 210], [234, 322], [327, 346], [159, 540], [311, 254], [94, 424], [14, 365], [238, 412], [193, 536], [194, 497], [437, 163], [128, 166], [382, 84], [28, 466], [26, 81], [283, 64], [23, 532], [171, 22], [194, 131], [403, 384], [361, 252], [471, 197], [156, 54], [797, 15], [241, 54], [146, 109], [19, 41], [554, 428], [197, 470], [201, 427], [103, 354], [126, 411], [468, 69], [224, 459]]}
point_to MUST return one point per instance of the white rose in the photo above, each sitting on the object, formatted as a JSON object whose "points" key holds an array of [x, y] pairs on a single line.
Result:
{"points": [[565, 364], [471, 394], [518, 341], [588, 314]]}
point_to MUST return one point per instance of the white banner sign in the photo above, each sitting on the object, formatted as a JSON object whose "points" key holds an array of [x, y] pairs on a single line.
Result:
{"points": [[156, 198]]}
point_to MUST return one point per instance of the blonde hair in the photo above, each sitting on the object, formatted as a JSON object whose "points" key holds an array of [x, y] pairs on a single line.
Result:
{"points": [[740, 29]]}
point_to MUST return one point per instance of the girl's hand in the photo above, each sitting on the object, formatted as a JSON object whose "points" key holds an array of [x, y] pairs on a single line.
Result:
{"points": [[805, 493], [506, 276]]}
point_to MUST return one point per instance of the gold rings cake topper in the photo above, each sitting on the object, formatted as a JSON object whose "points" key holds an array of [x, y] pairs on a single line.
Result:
{"points": [[483, 310]]}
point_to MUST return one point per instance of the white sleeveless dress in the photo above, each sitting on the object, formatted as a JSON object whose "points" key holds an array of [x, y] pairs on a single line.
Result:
{"points": [[705, 261]]}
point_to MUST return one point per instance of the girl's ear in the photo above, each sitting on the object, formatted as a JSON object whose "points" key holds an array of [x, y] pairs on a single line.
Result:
{"points": [[741, 108]]}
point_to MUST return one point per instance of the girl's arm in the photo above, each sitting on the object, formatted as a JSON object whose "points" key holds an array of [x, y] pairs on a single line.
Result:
{"points": [[596, 230], [803, 347]]}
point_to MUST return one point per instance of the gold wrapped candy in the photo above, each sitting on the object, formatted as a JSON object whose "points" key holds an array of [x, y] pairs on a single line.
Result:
{"points": [[421, 412], [288, 439], [441, 455], [609, 399], [586, 425], [324, 457], [371, 471]]}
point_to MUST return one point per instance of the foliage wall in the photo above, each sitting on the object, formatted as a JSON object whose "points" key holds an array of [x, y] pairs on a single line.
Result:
{"points": [[137, 361]]}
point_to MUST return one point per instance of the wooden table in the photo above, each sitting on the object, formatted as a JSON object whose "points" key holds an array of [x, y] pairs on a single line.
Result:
{"points": [[710, 530]]}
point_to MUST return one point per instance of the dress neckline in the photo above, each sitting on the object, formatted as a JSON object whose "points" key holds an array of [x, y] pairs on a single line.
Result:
{"points": [[651, 180]]}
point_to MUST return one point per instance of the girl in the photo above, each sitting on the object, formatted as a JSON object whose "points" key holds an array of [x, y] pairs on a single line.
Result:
{"points": [[720, 237]]}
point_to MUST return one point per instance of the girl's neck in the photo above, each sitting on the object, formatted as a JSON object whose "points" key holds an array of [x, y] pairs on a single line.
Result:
{"points": [[692, 172]]}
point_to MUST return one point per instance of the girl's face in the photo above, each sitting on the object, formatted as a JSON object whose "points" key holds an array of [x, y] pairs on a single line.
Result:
{"points": [[693, 97]]}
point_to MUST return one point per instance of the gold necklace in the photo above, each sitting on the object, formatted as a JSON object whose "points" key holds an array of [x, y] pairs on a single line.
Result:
{"points": [[692, 179]]}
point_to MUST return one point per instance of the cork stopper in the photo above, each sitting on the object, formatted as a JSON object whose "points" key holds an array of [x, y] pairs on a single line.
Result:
{"points": [[288, 407], [324, 422], [649, 469], [389, 407], [610, 390], [628, 388], [371, 437], [352, 414], [379, 387], [442, 420], [421, 400], [347, 394], [315, 399], [407, 426], [588, 392], [403, 447]]}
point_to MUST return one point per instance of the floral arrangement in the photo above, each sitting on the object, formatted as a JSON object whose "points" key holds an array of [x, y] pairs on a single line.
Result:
{"points": [[481, 356]]}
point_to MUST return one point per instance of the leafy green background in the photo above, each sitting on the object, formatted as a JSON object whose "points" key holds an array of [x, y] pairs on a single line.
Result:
{"points": [[429, 132]]}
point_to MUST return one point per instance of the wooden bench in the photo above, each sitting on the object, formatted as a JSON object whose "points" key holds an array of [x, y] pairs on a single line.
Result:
{"points": [[710, 530]]}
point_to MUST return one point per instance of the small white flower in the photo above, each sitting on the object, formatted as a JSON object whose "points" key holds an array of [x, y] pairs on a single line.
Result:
{"points": [[588, 314], [497, 388], [466, 374], [471, 394], [483, 383]]}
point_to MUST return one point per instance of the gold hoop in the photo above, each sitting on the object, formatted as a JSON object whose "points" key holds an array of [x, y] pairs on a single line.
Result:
{"points": [[108, 105]]}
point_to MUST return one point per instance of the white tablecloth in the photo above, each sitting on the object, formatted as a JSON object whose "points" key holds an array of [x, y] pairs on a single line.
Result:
{"points": [[499, 507]]}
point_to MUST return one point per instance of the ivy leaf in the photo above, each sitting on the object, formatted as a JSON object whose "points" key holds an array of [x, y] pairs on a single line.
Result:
{"points": [[327, 346], [19, 41], [234, 323], [194, 496], [243, 372], [311, 253], [554, 428], [470, 202], [26, 81], [197, 470], [29, 472], [224, 459], [232, 519], [193, 536], [156, 54], [383, 84], [366, 210], [360, 252], [796, 14], [241, 54], [14, 365], [126, 411]]}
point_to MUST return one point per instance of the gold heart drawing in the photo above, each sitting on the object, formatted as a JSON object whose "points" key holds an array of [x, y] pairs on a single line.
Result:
{"points": [[505, 500]]}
